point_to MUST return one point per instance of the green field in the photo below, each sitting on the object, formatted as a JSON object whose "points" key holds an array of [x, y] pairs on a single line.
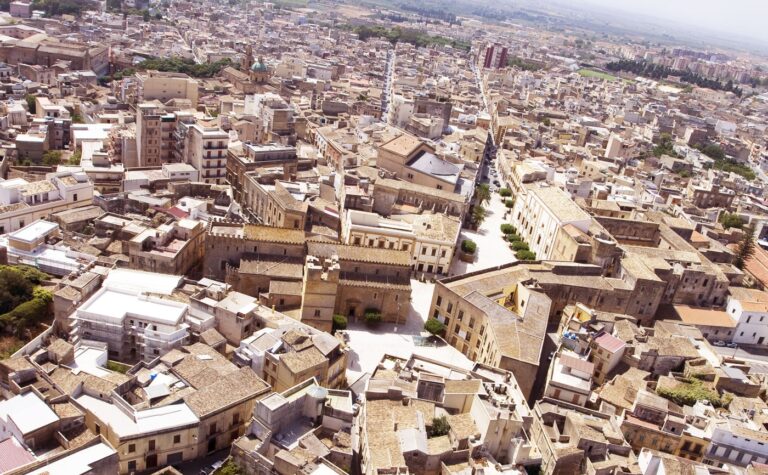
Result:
{"points": [[591, 73]]}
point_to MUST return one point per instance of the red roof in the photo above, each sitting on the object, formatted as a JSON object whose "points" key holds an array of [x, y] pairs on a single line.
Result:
{"points": [[179, 213], [609, 342], [14, 455]]}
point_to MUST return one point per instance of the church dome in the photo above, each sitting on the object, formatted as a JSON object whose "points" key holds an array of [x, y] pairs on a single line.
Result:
{"points": [[259, 67]]}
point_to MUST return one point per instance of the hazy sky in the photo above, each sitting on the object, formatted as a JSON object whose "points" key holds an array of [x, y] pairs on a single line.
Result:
{"points": [[741, 17]]}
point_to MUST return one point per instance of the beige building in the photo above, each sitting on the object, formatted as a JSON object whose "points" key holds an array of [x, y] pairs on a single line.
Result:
{"points": [[430, 238], [408, 158], [170, 248], [164, 86]]}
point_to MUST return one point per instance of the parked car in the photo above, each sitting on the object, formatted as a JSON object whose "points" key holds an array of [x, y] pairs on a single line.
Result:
{"points": [[732, 345], [496, 182], [718, 343]]}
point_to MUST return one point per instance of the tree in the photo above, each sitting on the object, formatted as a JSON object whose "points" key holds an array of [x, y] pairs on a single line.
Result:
{"points": [[524, 255], [482, 193], [478, 215], [746, 247], [75, 158], [339, 323], [519, 246], [145, 15], [468, 246], [372, 317], [439, 427], [229, 468], [31, 104], [77, 119], [509, 203], [731, 220], [505, 192], [434, 326], [52, 158], [507, 228]]}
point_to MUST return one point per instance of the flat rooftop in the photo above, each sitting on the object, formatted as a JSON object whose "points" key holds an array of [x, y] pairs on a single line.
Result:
{"points": [[34, 231], [149, 420], [28, 412], [114, 306]]}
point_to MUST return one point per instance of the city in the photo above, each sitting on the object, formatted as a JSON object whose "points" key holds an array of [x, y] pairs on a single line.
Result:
{"points": [[316, 237]]}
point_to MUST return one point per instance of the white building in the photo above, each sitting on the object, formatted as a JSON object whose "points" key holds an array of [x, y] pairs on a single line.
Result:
{"points": [[29, 246], [22, 202], [539, 214], [133, 313], [570, 379], [737, 443], [749, 307]]}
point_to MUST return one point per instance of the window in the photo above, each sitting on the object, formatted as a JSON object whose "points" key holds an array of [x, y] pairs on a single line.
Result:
{"points": [[317, 312], [131, 448], [177, 438], [132, 466], [460, 315], [434, 251], [439, 301], [152, 444]]}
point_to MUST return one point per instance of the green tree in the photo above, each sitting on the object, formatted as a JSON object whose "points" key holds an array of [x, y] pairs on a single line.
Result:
{"points": [[145, 15], [75, 158], [509, 203], [505, 192], [31, 104], [468, 246], [482, 193], [439, 427], [746, 248], [434, 326], [77, 118], [52, 158], [507, 228], [372, 317], [478, 215], [339, 323], [730, 220], [519, 246], [524, 255], [229, 468]]}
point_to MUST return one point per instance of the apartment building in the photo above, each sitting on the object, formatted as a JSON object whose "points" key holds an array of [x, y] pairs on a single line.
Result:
{"points": [[156, 135], [22, 201], [270, 160], [205, 148], [273, 117]]}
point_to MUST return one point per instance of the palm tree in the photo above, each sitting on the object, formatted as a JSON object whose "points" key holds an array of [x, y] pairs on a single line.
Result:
{"points": [[482, 193], [746, 247], [478, 215]]}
